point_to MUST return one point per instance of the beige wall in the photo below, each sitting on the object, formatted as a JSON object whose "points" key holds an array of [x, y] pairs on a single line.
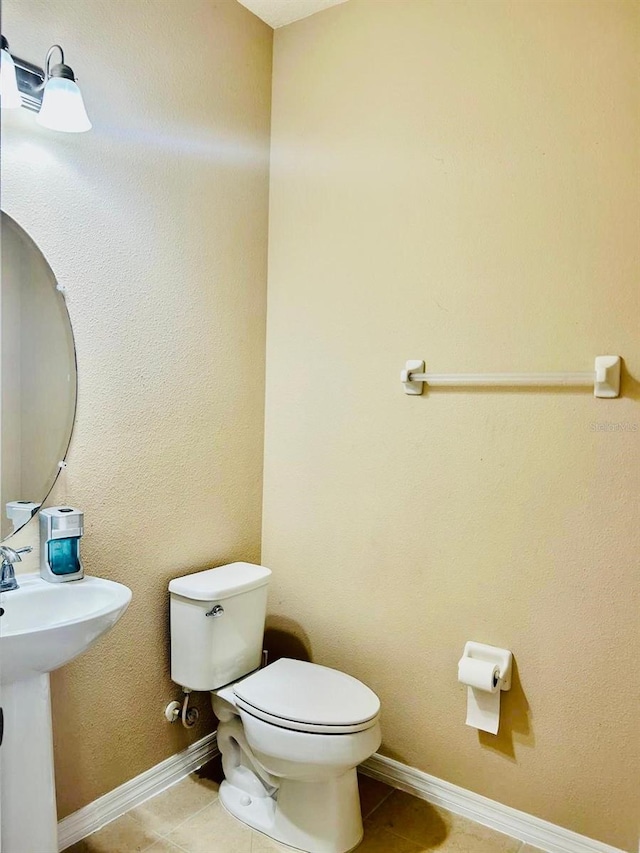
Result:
{"points": [[458, 181], [156, 223]]}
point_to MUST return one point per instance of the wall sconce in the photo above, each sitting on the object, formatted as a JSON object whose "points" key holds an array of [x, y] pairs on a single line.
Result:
{"points": [[9, 94], [52, 92]]}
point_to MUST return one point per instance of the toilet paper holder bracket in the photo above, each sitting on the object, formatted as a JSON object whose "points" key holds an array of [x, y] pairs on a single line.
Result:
{"points": [[492, 654]]}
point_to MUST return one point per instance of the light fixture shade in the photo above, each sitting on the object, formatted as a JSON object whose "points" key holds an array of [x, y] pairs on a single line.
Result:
{"points": [[9, 95], [62, 107]]}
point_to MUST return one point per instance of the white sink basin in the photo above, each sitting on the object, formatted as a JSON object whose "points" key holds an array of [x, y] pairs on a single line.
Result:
{"points": [[45, 625]]}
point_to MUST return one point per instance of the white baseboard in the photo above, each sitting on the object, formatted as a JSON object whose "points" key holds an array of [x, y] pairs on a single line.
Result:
{"points": [[119, 801], [535, 831]]}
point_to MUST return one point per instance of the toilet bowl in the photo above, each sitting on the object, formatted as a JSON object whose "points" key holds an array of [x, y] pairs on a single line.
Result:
{"points": [[291, 734], [304, 730]]}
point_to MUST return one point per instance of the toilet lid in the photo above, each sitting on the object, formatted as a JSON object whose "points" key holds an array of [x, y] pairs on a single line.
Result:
{"points": [[301, 695]]}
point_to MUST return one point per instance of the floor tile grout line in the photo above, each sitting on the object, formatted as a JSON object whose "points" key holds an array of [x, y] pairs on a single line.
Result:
{"points": [[419, 846], [157, 836], [155, 841], [377, 806], [191, 816], [165, 838], [177, 846], [161, 838], [165, 835]]}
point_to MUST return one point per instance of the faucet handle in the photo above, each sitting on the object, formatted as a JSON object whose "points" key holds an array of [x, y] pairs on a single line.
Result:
{"points": [[12, 555], [7, 575]]}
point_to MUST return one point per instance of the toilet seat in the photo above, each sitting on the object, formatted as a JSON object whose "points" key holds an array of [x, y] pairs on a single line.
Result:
{"points": [[306, 697]]}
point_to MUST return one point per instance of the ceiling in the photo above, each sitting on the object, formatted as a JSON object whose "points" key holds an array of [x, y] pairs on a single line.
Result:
{"points": [[279, 13]]}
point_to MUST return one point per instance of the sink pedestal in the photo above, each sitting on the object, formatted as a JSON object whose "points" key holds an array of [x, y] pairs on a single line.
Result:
{"points": [[43, 626], [29, 819]]}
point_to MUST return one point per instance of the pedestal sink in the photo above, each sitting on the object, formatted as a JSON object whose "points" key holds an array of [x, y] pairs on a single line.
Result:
{"points": [[42, 627]]}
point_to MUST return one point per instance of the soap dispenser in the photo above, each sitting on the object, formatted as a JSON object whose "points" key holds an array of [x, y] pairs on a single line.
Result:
{"points": [[61, 528]]}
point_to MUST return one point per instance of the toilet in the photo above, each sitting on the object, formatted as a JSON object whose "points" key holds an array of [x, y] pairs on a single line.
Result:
{"points": [[291, 733]]}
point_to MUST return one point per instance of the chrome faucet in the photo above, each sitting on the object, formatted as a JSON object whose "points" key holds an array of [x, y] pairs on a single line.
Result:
{"points": [[9, 557]]}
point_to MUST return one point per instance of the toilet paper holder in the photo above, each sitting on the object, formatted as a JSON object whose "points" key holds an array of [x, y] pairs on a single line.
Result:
{"points": [[492, 654]]}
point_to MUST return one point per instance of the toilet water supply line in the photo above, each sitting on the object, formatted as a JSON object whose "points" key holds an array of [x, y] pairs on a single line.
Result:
{"points": [[189, 716]]}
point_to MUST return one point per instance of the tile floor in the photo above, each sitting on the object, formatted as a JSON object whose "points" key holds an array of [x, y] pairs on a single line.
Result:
{"points": [[188, 818]]}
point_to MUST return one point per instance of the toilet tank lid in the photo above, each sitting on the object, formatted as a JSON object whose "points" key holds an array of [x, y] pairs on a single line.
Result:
{"points": [[222, 582]]}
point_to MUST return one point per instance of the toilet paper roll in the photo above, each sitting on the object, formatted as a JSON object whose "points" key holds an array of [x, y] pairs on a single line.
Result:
{"points": [[483, 693], [481, 674]]}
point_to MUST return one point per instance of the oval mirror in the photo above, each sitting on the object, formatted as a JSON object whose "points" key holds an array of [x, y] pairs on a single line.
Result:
{"points": [[37, 378]]}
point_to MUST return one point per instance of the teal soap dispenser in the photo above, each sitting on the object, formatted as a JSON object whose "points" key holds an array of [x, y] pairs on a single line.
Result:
{"points": [[61, 528]]}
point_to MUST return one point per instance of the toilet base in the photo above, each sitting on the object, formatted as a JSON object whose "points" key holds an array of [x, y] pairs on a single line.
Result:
{"points": [[256, 812], [314, 817]]}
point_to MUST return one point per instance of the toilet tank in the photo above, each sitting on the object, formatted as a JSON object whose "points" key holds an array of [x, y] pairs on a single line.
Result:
{"points": [[217, 624]]}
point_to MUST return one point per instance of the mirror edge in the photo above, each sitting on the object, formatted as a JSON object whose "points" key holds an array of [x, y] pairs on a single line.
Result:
{"points": [[65, 455]]}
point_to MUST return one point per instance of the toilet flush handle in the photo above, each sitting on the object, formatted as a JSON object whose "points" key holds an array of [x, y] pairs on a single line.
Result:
{"points": [[216, 610]]}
